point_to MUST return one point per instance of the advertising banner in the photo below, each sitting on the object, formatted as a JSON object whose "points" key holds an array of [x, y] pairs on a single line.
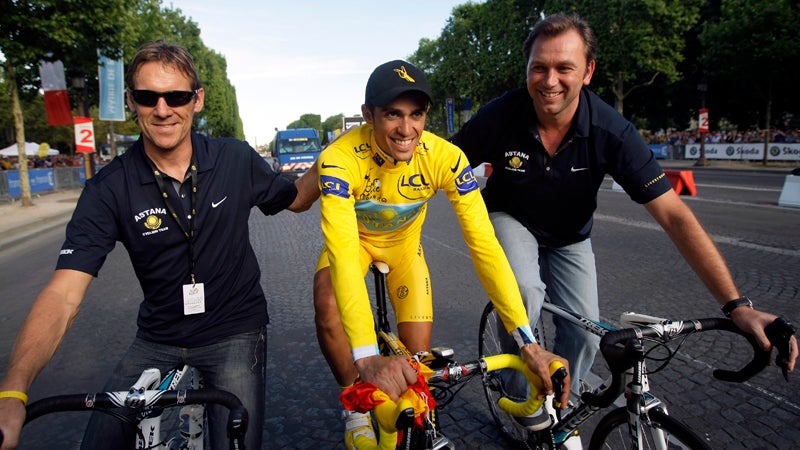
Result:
{"points": [[747, 151], [451, 113], [112, 90]]}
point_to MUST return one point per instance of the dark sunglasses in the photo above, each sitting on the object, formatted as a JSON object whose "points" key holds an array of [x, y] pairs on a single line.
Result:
{"points": [[173, 98]]}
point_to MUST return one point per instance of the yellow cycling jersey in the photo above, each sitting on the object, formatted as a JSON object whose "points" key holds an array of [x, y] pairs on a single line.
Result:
{"points": [[367, 196]]}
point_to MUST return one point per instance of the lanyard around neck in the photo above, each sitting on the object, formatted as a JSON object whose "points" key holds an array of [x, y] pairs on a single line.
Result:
{"points": [[189, 234]]}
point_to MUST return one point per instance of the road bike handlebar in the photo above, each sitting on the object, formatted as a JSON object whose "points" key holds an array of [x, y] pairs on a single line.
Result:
{"points": [[393, 416], [143, 400], [620, 351]]}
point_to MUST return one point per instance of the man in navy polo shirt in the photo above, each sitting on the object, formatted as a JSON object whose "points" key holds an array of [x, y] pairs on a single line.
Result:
{"points": [[550, 147], [180, 203]]}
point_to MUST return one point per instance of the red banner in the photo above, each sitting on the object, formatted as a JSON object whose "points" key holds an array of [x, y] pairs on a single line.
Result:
{"points": [[56, 103]]}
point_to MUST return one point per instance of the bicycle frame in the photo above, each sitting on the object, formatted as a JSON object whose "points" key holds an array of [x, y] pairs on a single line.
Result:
{"points": [[639, 400], [567, 425], [624, 352], [190, 434]]}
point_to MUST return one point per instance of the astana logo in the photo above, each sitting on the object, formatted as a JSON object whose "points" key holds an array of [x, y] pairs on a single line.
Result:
{"points": [[152, 222]]}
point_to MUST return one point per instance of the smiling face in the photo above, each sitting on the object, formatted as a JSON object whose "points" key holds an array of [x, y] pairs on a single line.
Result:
{"points": [[164, 128], [557, 69], [398, 126]]}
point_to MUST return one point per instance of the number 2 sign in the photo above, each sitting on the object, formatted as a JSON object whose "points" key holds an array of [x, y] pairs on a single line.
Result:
{"points": [[703, 128], [84, 135]]}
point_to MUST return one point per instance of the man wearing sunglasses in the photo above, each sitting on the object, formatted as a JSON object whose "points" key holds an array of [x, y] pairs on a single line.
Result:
{"points": [[180, 203]]}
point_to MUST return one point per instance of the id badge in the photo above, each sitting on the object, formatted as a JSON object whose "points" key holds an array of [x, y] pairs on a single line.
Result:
{"points": [[194, 299]]}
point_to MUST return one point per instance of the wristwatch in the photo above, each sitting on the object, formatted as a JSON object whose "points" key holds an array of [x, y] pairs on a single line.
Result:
{"points": [[728, 308]]}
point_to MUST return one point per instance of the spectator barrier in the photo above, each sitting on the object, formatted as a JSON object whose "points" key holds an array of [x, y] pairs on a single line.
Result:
{"points": [[41, 180]]}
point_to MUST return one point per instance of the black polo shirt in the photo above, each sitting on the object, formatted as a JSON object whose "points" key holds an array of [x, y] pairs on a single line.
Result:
{"points": [[555, 198], [124, 203]]}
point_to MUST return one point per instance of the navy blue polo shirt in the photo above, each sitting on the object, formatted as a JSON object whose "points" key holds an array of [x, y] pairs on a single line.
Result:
{"points": [[555, 198], [124, 203]]}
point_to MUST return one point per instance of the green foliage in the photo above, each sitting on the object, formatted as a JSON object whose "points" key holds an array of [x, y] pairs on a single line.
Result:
{"points": [[478, 54], [73, 30], [307, 121], [752, 48], [638, 41]]}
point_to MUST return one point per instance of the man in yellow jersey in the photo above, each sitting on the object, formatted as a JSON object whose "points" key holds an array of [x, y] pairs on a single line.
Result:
{"points": [[375, 182]]}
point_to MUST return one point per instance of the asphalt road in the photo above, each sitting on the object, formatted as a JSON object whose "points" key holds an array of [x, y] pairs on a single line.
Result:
{"points": [[639, 270]]}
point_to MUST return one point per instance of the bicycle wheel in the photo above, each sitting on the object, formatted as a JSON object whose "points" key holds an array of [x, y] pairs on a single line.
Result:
{"points": [[612, 433], [494, 340]]}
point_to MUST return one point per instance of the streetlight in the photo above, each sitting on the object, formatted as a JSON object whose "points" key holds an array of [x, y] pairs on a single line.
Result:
{"points": [[703, 88], [79, 83]]}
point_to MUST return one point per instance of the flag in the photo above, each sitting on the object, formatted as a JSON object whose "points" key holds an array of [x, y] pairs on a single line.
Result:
{"points": [[56, 100], [112, 99]]}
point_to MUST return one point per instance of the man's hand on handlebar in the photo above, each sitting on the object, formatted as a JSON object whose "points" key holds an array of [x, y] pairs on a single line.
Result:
{"points": [[391, 374], [12, 416], [538, 360], [756, 322]]}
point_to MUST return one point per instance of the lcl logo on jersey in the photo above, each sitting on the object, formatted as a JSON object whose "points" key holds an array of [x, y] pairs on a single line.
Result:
{"points": [[334, 186], [466, 181], [362, 150], [413, 187]]}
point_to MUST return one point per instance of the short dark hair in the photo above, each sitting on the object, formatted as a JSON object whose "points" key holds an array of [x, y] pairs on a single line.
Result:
{"points": [[169, 54], [556, 24]]}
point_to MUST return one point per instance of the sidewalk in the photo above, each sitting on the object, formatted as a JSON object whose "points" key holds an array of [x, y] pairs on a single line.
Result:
{"points": [[50, 210]]}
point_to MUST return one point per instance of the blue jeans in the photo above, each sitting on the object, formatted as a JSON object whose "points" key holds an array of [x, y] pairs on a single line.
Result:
{"points": [[236, 364], [567, 275]]}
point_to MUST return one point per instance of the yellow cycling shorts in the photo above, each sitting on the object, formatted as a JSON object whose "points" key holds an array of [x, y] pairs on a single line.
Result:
{"points": [[408, 281]]}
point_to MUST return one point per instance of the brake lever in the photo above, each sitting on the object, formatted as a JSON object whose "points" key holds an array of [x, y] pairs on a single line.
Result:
{"points": [[557, 378], [779, 332]]}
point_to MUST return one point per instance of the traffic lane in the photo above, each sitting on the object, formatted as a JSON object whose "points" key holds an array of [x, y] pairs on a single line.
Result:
{"points": [[757, 187], [640, 270], [755, 179], [770, 226]]}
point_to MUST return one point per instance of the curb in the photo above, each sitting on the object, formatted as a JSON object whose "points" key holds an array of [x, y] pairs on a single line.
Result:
{"points": [[21, 233]]}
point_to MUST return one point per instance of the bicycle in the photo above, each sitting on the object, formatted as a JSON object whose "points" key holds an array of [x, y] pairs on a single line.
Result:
{"points": [[400, 425], [643, 422], [146, 401]]}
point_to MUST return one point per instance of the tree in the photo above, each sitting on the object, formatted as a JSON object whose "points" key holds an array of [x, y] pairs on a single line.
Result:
{"points": [[754, 44], [49, 30], [478, 55], [307, 121], [220, 115], [637, 42], [331, 124]]}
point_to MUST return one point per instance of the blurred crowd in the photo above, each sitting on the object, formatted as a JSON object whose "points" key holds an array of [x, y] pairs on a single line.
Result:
{"points": [[721, 136], [38, 162]]}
